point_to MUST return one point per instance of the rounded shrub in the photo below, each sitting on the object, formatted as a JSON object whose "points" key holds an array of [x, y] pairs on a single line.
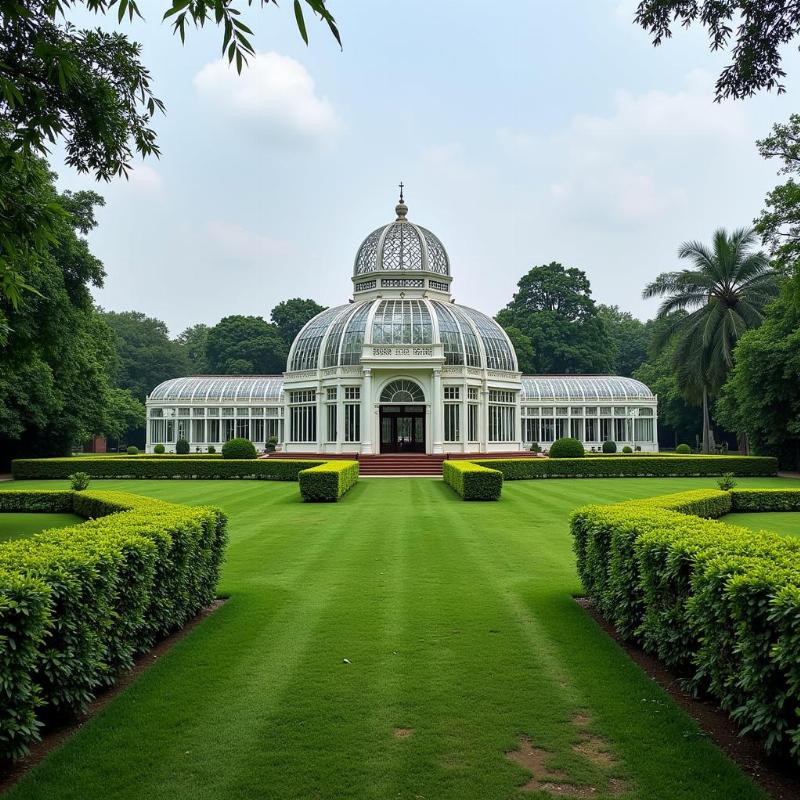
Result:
{"points": [[609, 447], [182, 447], [238, 448], [683, 449], [566, 448], [158, 449], [133, 450], [78, 481], [212, 449], [627, 449]]}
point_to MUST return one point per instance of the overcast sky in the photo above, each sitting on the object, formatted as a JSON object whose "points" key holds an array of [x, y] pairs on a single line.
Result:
{"points": [[525, 132]]}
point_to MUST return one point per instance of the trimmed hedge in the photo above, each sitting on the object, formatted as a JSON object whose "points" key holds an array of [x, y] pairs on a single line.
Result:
{"points": [[566, 448], [78, 603], [329, 481], [471, 480], [718, 602], [161, 467], [632, 466]]}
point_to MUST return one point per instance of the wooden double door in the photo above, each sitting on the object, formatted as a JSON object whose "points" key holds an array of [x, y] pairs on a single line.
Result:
{"points": [[402, 429]]}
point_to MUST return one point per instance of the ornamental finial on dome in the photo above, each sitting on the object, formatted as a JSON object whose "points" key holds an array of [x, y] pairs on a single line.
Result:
{"points": [[401, 209]]}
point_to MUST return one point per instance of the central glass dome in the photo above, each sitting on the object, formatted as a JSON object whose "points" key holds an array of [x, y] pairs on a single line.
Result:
{"points": [[402, 307]]}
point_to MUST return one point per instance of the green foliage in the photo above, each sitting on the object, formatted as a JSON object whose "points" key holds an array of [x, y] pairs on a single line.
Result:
{"points": [[239, 345], [145, 353], [726, 482], [93, 596], [290, 316], [643, 466], [629, 338], [553, 309], [761, 31], [627, 449], [132, 450], [718, 601], [725, 294], [472, 481], [162, 467], [761, 397], [609, 447], [193, 343], [123, 413], [78, 481], [683, 449], [159, 449], [566, 448], [182, 448], [329, 481], [238, 448], [211, 449]]}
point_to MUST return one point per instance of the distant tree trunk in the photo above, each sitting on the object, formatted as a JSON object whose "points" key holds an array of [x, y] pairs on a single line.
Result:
{"points": [[706, 423], [743, 443]]}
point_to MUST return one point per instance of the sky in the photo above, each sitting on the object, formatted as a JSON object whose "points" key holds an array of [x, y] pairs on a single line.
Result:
{"points": [[525, 132]]}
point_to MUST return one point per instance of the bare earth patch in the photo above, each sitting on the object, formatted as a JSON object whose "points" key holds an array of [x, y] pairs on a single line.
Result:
{"points": [[402, 733]]}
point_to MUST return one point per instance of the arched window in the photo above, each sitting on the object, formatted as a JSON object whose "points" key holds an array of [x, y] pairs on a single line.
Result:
{"points": [[402, 391]]}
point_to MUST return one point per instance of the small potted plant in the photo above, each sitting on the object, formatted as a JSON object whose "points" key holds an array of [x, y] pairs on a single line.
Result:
{"points": [[271, 444]]}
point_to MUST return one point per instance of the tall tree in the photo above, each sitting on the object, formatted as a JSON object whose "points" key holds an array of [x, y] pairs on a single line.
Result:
{"points": [[54, 363], [239, 345], [761, 397], [193, 342], [554, 309], [725, 294], [146, 355], [629, 338], [757, 30], [291, 315]]}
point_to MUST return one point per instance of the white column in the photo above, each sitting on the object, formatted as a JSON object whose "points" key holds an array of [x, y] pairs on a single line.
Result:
{"points": [[518, 421], [366, 415], [483, 426], [437, 411], [339, 418], [464, 414]]}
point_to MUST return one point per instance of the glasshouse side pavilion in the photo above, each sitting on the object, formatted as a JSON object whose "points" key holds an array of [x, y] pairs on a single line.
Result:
{"points": [[402, 368]]}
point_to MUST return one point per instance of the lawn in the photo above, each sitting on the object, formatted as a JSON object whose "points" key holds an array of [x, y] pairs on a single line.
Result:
{"points": [[393, 645], [787, 523], [15, 525]]}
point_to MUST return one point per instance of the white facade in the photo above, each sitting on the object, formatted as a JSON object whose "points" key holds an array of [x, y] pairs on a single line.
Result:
{"points": [[401, 368]]}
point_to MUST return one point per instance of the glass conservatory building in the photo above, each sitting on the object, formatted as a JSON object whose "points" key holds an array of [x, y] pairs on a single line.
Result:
{"points": [[401, 368]]}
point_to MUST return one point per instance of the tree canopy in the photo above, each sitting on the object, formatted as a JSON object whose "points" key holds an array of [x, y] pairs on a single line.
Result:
{"points": [[241, 345], [553, 308], [755, 32], [629, 338]]}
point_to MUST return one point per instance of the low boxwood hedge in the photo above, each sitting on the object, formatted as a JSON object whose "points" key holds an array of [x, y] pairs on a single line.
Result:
{"points": [[718, 602], [161, 467], [78, 603], [473, 481], [329, 481], [632, 466]]}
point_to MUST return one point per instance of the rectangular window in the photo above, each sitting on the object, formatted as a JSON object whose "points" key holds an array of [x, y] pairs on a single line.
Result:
{"points": [[331, 427], [303, 423], [591, 411], [530, 430], [561, 428], [228, 430], [452, 393], [501, 423], [273, 430], [242, 412], [331, 393], [256, 412], [183, 412], [156, 412], [452, 432], [561, 411], [576, 411], [198, 412], [242, 428], [619, 411], [183, 429], [158, 431], [227, 412], [619, 430], [605, 430], [643, 430], [213, 412], [212, 432], [198, 430], [472, 422], [591, 430], [498, 396], [303, 396], [352, 393], [257, 431], [576, 429], [605, 411], [472, 393], [352, 422], [548, 430]]}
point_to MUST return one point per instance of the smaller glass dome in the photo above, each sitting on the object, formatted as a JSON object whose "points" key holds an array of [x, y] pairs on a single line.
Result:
{"points": [[219, 388], [401, 245]]}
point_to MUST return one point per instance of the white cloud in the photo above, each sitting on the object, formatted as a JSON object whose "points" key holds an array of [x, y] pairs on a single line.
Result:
{"points": [[146, 180], [635, 163], [274, 96], [235, 240]]}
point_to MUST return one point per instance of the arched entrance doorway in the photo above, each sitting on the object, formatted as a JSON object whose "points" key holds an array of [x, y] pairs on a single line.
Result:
{"points": [[402, 417]]}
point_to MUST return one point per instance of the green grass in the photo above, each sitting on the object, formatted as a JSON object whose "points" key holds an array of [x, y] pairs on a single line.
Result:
{"points": [[15, 525], [787, 523], [458, 621]]}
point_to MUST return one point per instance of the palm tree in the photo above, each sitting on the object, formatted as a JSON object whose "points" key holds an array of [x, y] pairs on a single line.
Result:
{"points": [[709, 306]]}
